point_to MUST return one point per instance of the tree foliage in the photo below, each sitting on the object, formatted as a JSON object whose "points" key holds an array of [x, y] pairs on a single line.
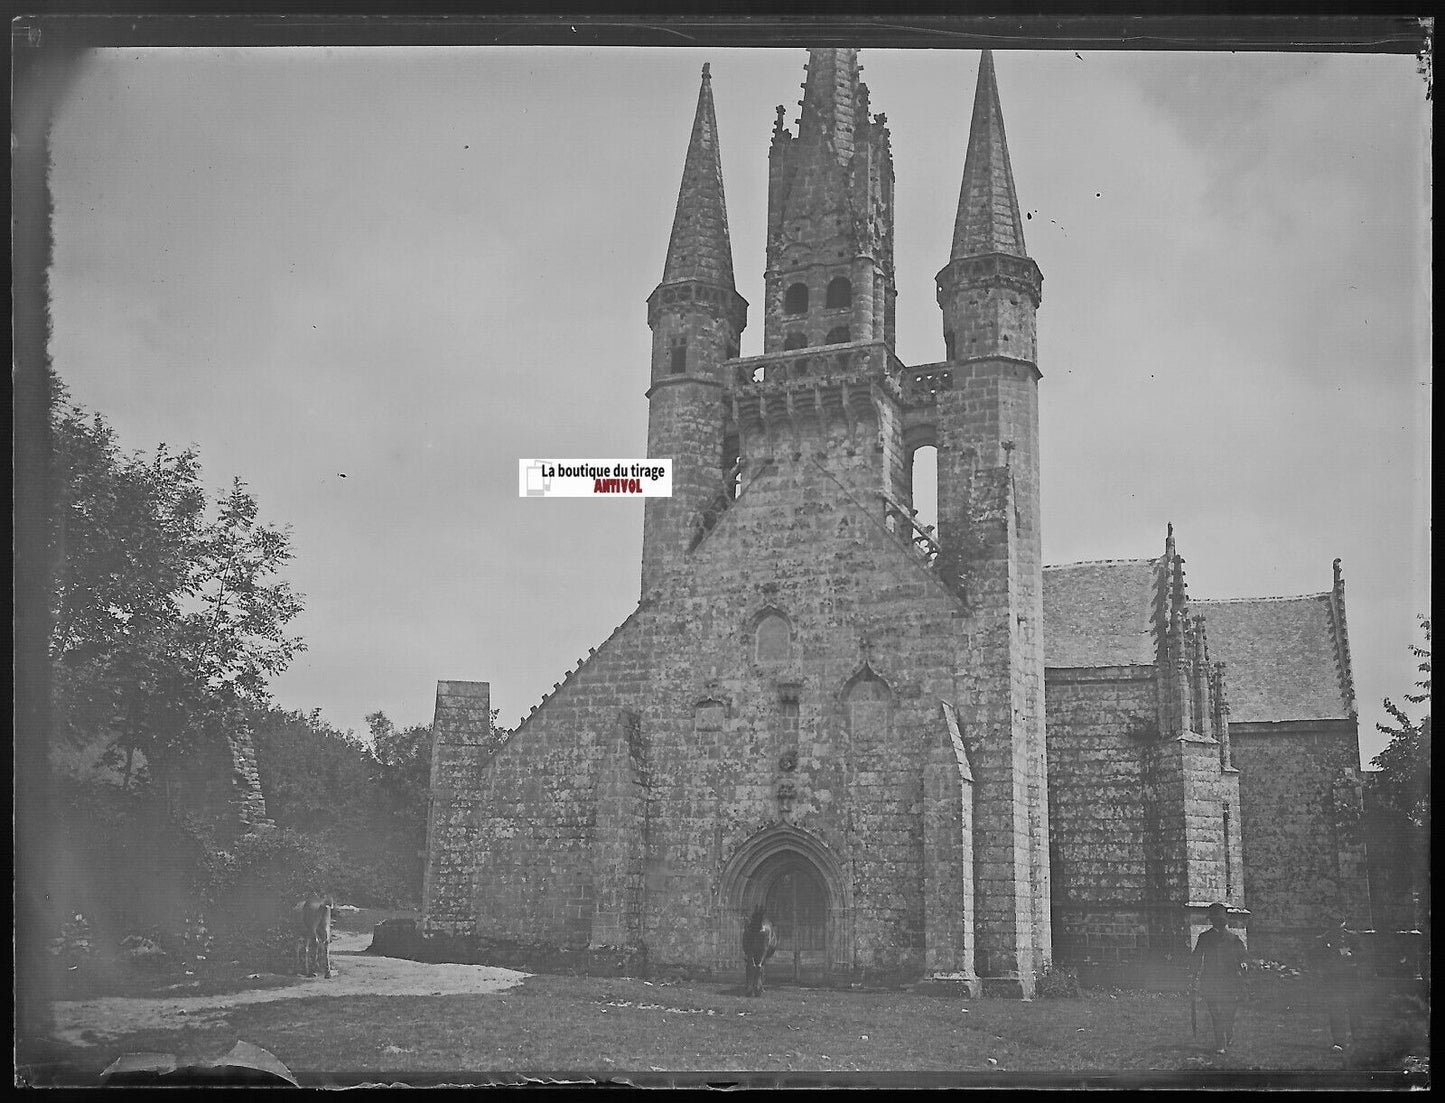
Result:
{"points": [[403, 761], [312, 775], [1398, 800], [1403, 781], [169, 617], [359, 810]]}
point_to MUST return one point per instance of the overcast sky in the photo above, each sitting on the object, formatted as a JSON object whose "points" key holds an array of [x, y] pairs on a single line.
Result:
{"points": [[414, 266]]}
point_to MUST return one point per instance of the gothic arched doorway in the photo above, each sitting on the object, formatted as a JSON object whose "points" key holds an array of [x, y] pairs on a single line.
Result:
{"points": [[797, 880]]}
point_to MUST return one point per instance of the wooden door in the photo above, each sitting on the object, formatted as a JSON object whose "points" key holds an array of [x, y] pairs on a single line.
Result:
{"points": [[797, 903]]}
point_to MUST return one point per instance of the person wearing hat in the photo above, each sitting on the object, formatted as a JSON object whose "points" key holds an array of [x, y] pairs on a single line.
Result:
{"points": [[1218, 968], [1339, 951]]}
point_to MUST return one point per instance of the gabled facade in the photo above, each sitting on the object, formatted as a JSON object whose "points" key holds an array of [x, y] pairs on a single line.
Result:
{"points": [[817, 704]]}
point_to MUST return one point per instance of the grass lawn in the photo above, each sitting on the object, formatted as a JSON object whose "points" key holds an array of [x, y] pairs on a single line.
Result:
{"points": [[613, 1026]]}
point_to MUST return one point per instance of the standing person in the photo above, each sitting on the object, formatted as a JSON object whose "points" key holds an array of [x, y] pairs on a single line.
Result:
{"points": [[1340, 975], [1218, 966]]}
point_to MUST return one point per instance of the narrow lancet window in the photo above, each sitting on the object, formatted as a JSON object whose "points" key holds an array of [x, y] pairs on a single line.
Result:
{"points": [[1228, 862], [773, 639]]}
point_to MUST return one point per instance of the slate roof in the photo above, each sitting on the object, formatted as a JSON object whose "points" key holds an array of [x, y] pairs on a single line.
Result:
{"points": [[1100, 613], [1282, 656]]}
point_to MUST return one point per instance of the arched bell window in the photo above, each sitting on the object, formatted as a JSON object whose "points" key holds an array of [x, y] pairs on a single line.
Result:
{"points": [[795, 341], [840, 293], [796, 299], [838, 335]]}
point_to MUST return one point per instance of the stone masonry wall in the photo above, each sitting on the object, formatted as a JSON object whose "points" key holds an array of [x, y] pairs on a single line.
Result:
{"points": [[860, 608], [537, 839], [1302, 852], [685, 423], [1099, 722], [461, 745], [512, 827]]}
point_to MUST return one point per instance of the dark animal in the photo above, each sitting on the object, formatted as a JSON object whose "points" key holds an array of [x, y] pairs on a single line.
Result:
{"points": [[313, 934], [759, 942]]}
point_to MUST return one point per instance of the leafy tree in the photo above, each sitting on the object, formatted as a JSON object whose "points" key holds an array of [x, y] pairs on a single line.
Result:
{"points": [[168, 618], [1399, 791], [312, 775], [325, 787], [403, 758], [1403, 781]]}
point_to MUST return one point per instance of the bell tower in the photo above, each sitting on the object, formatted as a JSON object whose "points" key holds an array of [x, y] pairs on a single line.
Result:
{"points": [[830, 215]]}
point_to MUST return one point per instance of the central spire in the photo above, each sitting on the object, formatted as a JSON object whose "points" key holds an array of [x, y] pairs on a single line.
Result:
{"points": [[830, 101], [988, 207], [700, 248]]}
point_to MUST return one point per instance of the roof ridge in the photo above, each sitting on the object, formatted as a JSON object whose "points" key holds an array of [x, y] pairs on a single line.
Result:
{"points": [[1097, 562], [1256, 600], [592, 653]]}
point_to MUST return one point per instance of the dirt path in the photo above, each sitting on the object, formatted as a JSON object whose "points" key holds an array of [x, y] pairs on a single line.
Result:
{"points": [[353, 973]]}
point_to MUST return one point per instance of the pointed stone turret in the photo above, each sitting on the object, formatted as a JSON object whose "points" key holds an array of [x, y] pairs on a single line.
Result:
{"points": [[988, 208], [697, 318], [988, 414], [990, 289], [700, 248]]}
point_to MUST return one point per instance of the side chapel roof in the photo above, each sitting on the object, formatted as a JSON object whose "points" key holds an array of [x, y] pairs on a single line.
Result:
{"points": [[1287, 658], [1283, 657], [1100, 613]]}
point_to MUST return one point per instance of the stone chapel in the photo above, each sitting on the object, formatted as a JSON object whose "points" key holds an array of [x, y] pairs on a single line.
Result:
{"points": [[927, 753]]}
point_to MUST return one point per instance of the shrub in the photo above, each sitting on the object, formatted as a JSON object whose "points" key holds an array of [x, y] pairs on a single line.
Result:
{"points": [[1058, 983]]}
